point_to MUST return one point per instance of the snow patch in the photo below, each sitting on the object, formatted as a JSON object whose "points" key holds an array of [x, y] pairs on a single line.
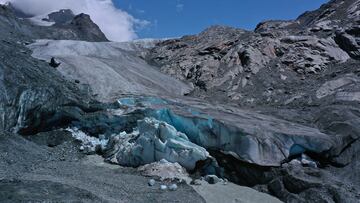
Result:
{"points": [[38, 20]]}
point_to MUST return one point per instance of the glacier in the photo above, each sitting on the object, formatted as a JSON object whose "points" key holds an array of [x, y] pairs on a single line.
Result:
{"points": [[117, 72]]}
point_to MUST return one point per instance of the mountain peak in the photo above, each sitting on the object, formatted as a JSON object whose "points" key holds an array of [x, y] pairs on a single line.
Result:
{"points": [[87, 27], [60, 17]]}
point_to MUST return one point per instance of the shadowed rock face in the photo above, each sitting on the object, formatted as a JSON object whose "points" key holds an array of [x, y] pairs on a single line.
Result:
{"points": [[87, 28], [276, 109]]}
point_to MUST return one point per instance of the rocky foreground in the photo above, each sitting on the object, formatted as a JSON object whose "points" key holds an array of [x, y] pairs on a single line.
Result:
{"points": [[275, 109]]}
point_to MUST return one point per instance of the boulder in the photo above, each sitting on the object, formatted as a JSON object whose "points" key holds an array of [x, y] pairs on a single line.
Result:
{"points": [[164, 170]]}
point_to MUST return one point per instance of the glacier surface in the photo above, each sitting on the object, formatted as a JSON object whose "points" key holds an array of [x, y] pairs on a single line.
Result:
{"points": [[111, 69]]}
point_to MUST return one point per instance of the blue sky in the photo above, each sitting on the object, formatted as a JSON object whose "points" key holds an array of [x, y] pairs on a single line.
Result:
{"points": [[173, 18]]}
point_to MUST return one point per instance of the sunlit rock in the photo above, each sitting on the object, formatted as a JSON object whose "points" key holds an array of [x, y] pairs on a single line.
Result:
{"points": [[164, 170]]}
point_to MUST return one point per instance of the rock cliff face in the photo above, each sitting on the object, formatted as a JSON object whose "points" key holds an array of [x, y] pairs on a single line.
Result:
{"points": [[276, 109]]}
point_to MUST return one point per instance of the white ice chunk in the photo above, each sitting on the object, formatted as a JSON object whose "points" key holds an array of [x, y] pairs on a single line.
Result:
{"points": [[89, 144]]}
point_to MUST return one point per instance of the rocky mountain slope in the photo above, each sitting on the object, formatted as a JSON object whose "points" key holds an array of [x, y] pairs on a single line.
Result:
{"points": [[275, 109], [304, 71]]}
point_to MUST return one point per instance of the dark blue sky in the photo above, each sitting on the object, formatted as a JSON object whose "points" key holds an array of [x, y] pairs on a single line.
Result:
{"points": [[173, 18]]}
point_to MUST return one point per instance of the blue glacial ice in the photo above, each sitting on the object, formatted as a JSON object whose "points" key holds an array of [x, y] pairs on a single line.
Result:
{"points": [[152, 141], [250, 137], [269, 145]]}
